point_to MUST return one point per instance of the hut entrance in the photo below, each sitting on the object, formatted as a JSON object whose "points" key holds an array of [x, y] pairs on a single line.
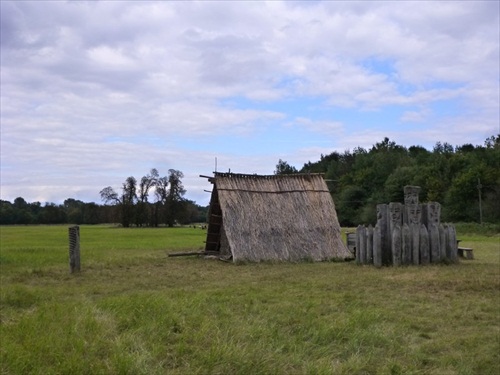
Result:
{"points": [[214, 224]]}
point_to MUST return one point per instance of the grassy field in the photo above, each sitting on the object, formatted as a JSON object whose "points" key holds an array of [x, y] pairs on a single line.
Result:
{"points": [[133, 310]]}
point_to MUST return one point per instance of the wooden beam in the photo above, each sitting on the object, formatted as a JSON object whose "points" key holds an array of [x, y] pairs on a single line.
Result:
{"points": [[191, 253]]}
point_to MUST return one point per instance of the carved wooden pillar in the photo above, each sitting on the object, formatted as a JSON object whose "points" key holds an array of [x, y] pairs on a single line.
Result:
{"points": [[369, 245], [424, 245], [406, 245], [377, 247], [395, 221]]}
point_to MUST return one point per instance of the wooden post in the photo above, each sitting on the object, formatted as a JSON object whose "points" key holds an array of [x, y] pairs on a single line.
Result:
{"points": [[424, 245], [74, 249], [415, 243], [396, 246], [395, 221], [361, 244], [434, 243], [443, 240], [452, 243], [414, 212], [385, 236], [406, 245], [377, 247], [369, 244]]}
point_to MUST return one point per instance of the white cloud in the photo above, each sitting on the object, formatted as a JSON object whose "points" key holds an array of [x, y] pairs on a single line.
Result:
{"points": [[97, 91], [331, 128], [415, 116]]}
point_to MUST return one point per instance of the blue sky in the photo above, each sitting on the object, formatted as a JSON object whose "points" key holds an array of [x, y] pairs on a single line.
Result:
{"points": [[94, 92]]}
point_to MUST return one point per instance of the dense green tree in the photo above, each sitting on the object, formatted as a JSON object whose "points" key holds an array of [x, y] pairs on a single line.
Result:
{"points": [[7, 213], [189, 213], [350, 204], [23, 212], [93, 214], [360, 179], [284, 168], [143, 210], [161, 194], [401, 176], [174, 198], [125, 202], [461, 200], [74, 210], [52, 214]]}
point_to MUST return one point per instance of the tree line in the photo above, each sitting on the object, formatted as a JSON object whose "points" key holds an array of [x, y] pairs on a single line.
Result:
{"points": [[130, 207], [464, 179]]}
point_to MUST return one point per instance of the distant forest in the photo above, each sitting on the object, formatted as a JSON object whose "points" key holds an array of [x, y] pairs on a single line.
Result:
{"points": [[132, 206], [74, 211], [456, 177]]}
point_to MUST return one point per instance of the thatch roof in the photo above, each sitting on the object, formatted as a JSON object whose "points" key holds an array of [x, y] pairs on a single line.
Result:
{"points": [[276, 218]]}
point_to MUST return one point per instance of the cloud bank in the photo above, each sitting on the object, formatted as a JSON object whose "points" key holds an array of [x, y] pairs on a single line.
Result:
{"points": [[93, 92]]}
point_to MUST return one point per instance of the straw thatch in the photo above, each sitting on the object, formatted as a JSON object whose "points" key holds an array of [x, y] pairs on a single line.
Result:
{"points": [[273, 218]]}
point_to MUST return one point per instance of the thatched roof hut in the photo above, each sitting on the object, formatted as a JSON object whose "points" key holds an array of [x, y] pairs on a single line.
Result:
{"points": [[273, 218]]}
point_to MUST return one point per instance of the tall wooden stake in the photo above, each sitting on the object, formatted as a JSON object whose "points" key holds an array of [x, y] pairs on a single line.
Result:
{"points": [[74, 249]]}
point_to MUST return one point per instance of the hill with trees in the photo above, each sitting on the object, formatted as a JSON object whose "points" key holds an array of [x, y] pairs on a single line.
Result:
{"points": [[460, 178]]}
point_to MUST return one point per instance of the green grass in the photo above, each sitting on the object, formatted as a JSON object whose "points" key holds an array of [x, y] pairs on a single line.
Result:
{"points": [[133, 310], [487, 229]]}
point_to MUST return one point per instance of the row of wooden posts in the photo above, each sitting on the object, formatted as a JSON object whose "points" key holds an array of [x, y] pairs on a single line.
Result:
{"points": [[409, 233], [408, 245]]}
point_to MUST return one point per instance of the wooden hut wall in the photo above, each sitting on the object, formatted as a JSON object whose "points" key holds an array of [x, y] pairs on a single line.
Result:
{"points": [[279, 218], [225, 250]]}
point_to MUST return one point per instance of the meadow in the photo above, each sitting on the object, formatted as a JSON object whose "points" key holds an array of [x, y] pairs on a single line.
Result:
{"points": [[134, 310]]}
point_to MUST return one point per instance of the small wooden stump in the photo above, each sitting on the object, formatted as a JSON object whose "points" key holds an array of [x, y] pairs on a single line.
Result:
{"points": [[469, 254]]}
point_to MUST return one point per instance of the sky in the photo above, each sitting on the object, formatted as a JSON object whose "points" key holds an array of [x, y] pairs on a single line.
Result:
{"points": [[95, 91]]}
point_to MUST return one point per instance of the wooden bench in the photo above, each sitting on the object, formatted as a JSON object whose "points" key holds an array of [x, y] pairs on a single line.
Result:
{"points": [[465, 252]]}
